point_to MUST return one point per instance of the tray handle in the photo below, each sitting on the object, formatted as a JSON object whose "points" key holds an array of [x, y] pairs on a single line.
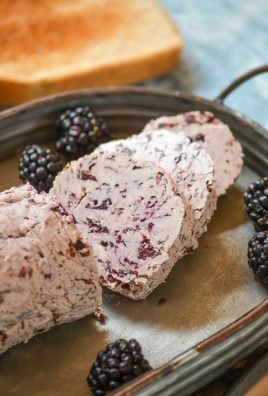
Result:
{"points": [[240, 80]]}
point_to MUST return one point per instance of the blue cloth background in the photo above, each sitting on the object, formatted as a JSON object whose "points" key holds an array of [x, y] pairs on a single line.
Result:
{"points": [[222, 40]]}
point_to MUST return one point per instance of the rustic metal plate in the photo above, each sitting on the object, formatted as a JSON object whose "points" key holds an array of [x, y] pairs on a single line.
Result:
{"points": [[208, 314]]}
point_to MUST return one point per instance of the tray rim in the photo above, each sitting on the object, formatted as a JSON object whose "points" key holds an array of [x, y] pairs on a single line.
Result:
{"points": [[206, 360], [151, 91], [250, 378], [256, 320]]}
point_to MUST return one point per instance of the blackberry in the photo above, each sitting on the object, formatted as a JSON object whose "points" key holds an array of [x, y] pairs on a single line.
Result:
{"points": [[39, 166], [120, 362], [256, 203], [81, 132], [258, 256]]}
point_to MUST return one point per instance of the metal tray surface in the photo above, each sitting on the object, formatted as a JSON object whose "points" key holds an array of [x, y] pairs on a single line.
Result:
{"points": [[209, 312]]}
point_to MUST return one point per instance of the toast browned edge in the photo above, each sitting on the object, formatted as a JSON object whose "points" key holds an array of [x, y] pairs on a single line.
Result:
{"points": [[131, 71], [12, 92]]}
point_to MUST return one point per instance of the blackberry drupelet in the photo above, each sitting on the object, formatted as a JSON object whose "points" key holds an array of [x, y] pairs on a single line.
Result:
{"points": [[120, 362], [258, 256], [39, 166], [256, 203], [81, 132]]}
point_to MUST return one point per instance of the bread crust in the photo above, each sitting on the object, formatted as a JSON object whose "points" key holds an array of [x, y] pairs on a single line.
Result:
{"points": [[13, 92], [135, 66]]}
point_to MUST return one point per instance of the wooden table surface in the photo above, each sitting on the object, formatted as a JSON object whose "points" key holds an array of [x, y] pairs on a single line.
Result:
{"points": [[222, 40]]}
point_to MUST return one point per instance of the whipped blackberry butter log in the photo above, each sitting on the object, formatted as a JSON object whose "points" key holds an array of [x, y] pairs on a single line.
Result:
{"points": [[131, 213], [188, 164], [48, 274], [214, 136]]}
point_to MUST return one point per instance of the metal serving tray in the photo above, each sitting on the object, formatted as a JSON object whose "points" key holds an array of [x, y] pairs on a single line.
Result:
{"points": [[210, 312]]}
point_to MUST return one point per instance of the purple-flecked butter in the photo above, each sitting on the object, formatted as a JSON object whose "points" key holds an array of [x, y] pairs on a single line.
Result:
{"points": [[191, 168], [131, 213], [214, 136], [48, 274]]}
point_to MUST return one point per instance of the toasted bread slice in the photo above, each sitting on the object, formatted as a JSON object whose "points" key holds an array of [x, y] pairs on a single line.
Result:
{"points": [[53, 46]]}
